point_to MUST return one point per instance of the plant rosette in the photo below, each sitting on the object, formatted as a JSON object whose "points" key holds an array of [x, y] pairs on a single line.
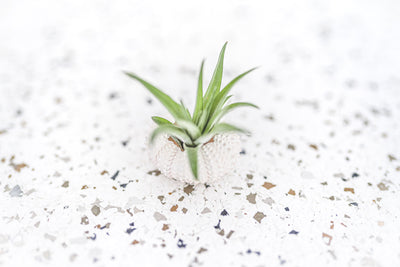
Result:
{"points": [[197, 147]]}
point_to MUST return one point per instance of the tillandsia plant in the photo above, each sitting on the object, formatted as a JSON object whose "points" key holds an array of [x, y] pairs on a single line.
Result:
{"points": [[190, 132]]}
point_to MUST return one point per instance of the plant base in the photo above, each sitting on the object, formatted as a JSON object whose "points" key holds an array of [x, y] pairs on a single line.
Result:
{"points": [[216, 158]]}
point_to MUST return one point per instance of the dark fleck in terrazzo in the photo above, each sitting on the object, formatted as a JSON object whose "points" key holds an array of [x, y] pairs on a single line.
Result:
{"points": [[181, 244], [115, 175], [224, 213], [218, 225]]}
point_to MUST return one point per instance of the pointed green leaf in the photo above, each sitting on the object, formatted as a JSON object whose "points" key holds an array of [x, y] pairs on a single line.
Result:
{"points": [[171, 130], [219, 99], [160, 120], [190, 128], [226, 127], [203, 120], [206, 121], [173, 107], [226, 100], [215, 83], [185, 112], [192, 153], [199, 99], [218, 116]]}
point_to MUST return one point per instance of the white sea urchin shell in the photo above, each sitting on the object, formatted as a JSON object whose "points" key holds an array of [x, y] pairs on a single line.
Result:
{"points": [[216, 159]]}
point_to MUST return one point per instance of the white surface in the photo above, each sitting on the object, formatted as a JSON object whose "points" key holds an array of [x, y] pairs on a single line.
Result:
{"points": [[329, 77]]}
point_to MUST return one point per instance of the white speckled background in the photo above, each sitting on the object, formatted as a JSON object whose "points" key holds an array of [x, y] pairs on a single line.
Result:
{"points": [[319, 182]]}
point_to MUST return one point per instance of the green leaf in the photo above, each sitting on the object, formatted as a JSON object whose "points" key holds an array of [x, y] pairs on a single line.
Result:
{"points": [[218, 116], [199, 99], [160, 121], [192, 153], [226, 100], [226, 127], [190, 128], [171, 130], [173, 107], [215, 83], [185, 111], [203, 123], [203, 120], [218, 129], [221, 97]]}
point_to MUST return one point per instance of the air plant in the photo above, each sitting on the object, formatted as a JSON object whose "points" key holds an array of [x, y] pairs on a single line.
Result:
{"points": [[191, 131]]}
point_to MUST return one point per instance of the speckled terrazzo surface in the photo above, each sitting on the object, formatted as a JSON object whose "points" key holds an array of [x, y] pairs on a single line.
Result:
{"points": [[318, 181]]}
